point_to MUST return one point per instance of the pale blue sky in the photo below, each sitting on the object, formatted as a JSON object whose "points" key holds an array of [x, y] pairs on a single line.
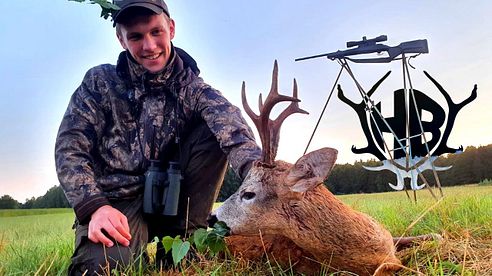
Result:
{"points": [[48, 45]]}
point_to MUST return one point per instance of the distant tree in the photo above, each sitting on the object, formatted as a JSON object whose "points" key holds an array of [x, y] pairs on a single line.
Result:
{"points": [[7, 202], [29, 203], [471, 166], [486, 159], [54, 198]]}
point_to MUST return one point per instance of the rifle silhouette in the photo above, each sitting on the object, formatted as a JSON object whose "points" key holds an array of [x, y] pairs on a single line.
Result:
{"points": [[368, 46]]}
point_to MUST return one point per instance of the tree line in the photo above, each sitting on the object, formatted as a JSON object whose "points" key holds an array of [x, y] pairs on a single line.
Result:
{"points": [[54, 198], [474, 165]]}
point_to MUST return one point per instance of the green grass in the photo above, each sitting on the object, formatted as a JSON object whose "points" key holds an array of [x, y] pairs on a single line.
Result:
{"points": [[40, 242], [32, 212], [464, 209]]}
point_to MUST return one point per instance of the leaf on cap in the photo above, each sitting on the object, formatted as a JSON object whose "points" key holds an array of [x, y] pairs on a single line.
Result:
{"points": [[107, 7]]}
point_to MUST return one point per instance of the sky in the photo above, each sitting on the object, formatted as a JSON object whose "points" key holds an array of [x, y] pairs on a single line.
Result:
{"points": [[48, 45]]}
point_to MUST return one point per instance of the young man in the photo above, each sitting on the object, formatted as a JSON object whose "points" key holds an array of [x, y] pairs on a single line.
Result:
{"points": [[150, 106]]}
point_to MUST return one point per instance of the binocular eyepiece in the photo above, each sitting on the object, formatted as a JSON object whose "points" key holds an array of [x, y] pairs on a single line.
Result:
{"points": [[161, 191]]}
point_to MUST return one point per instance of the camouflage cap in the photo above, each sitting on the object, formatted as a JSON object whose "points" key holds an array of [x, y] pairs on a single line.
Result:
{"points": [[156, 6]]}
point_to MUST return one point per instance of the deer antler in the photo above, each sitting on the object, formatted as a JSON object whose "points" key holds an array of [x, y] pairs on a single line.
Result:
{"points": [[270, 130]]}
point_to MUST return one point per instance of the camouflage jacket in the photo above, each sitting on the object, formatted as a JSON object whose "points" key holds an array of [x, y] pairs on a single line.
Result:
{"points": [[104, 141]]}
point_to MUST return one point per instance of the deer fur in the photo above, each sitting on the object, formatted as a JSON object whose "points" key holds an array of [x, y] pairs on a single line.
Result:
{"points": [[288, 200], [289, 204]]}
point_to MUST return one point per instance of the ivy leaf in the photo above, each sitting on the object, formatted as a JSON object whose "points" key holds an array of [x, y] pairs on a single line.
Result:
{"points": [[213, 240], [199, 239], [167, 242], [221, 228], [215, 243], [179, 250]]}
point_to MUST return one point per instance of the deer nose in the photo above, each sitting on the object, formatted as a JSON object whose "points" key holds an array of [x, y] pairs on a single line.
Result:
{"points": [[211, 220]]}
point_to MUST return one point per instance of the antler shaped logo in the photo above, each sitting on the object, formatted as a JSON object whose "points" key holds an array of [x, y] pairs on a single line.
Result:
{"points": [[421, 155]]}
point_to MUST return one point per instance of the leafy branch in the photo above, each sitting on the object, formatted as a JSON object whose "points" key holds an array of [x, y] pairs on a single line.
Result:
{"points": [[205, 241], [108, 8]]}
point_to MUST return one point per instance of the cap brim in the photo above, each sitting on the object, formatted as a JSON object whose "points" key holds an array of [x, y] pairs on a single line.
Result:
{"points": [[149, 6]]}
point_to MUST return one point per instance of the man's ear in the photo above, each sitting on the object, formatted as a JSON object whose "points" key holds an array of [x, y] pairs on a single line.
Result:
{"points": [[172, 28], [121, 40], [311, 170]]}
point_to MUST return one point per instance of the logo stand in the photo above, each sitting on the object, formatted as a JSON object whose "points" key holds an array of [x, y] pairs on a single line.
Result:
{"points": [[412, 152]]}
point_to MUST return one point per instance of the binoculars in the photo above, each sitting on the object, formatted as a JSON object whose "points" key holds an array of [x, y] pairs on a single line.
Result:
{"points": [[161, 193]]}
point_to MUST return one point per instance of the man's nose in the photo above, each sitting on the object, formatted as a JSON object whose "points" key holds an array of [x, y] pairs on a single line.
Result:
{"points": [[149, 44], [211, 220]]}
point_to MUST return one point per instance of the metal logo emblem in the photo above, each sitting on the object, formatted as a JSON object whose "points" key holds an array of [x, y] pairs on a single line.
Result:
{"points": [[412, 153]]}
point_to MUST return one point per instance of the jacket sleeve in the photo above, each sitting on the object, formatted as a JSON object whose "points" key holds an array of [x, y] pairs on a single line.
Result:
{"points": [[74, 150], [231, 130]]}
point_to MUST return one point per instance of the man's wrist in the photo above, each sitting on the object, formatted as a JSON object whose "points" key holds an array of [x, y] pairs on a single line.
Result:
{"points": [[86, 208]]}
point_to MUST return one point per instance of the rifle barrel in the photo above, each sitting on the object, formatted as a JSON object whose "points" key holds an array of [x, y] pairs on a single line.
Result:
{"points": [[310, 57]]}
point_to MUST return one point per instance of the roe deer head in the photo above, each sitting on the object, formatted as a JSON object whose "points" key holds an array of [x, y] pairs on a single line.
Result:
{"points": [[278, 198]]}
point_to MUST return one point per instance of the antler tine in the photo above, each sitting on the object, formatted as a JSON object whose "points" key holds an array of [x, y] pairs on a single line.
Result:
{"points": [[268, 129], [291, 109], [273, 97], [260, 102], [248, 109], [258, 121], [273, 88]]}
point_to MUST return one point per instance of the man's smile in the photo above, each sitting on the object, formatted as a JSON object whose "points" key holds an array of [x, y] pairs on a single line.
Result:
{"points": [[152, 57]]}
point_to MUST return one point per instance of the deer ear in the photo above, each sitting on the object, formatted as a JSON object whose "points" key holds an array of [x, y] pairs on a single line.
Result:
{"points": [[311, 170]]}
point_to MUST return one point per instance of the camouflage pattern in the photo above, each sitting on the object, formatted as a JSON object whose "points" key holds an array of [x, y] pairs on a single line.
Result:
{"points": [[118, 113]]}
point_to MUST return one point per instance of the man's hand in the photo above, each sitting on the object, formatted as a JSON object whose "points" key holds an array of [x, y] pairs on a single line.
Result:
{"points": [[114, 223]]}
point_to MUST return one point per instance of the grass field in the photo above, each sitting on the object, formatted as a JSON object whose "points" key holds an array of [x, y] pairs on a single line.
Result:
{"points": [[37, 243], [40, 242]]}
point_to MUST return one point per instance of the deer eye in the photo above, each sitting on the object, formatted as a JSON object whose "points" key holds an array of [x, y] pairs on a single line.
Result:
{"points": [[247, 195]]}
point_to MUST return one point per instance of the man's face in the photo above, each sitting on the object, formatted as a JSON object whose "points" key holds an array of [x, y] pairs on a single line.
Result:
{"points": [[148, 39]]}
